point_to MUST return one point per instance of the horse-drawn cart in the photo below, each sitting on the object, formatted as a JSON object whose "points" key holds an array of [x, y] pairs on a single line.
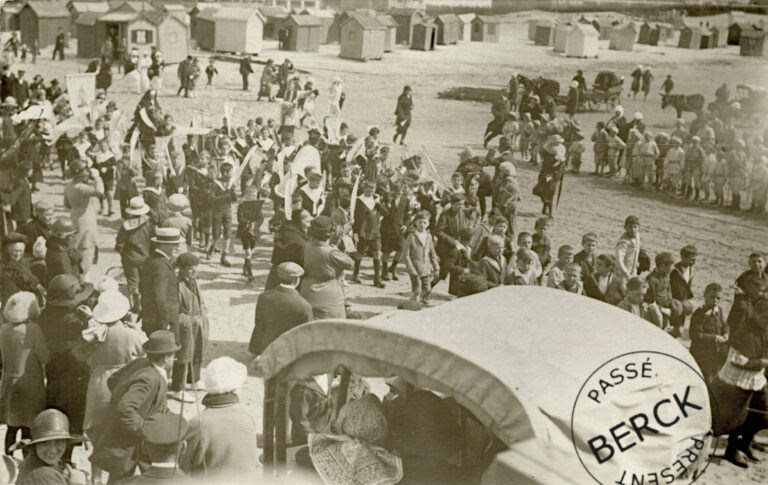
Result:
{"points": [[753, 101], [606, 90]]}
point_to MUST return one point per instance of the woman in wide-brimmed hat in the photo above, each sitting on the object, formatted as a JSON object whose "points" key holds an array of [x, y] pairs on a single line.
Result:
{"points": [[24, 352], [67, 377], [50, 440]]}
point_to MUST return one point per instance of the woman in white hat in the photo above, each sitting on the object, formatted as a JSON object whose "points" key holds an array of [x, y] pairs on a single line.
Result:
{"points": [[24, 352], [111, 345], [221, 441]]}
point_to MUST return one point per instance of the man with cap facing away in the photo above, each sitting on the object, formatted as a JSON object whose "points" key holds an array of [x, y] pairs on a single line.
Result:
{"points": [[221, 441], [158, 284], [155, 198], [138, 393], [61, 256], [280, 309], [161, 439]]}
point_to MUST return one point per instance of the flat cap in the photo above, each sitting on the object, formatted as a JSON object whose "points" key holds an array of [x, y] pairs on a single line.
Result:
{"points": [[14, 237], [187, 260], [164, 429], [589, 237], [631, 220], [289, 270], [322, 223]]}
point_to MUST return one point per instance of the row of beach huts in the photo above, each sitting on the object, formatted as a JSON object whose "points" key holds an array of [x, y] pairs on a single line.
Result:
{"points": [[579, 37], [178, 28]]}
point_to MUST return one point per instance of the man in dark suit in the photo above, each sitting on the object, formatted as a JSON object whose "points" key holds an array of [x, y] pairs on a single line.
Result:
{"points": [[21, 89], [138, 393], [245, 70], [289, 245], [280, 309], [183, 74], [59, 47], [158, 284], [20, 198]]}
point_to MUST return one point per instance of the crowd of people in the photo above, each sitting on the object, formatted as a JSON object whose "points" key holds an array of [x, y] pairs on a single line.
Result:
{"points": [[99, 362]]}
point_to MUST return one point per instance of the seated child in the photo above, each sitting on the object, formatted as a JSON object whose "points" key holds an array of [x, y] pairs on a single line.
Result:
{"points": [[524, 272], [598, 284], [633, 302], [572, 279], [557, 272]]}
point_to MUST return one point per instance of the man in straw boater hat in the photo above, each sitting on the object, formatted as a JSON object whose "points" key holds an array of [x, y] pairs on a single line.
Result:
{"points": [[158, 284], [161, 439], [46, 464], [133, 243], [138, 393]]}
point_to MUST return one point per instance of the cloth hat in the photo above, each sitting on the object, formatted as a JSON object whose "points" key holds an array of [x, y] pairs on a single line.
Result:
{"points": [[552, 139], [619, 110], [164, 429], [10, 102], [62, 227], [66, 290], [111, 307], [137, 206], [369, 183], [20, 307], [314, 174], [223, 375], [167, 235], [177, 202], [589, 237], [161, 342], [13, 238], [322, 223], [574, 84], [187, 260], [43, 206], [638, 115], [76, 167], [363, 419], [288, 270], [50, 425], [613, 129], [695, 138]]}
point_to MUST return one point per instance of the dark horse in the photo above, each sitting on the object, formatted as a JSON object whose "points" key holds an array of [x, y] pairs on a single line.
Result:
{"points": [[540, 86], [683, 102]]}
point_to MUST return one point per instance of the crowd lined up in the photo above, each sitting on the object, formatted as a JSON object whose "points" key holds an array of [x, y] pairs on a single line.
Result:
{"points": [[101, 357]]}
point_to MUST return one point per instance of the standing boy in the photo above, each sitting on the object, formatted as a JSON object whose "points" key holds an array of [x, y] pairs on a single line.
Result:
{"points": [[221, 198], [421, 258], [367, 228], [709, 333]]}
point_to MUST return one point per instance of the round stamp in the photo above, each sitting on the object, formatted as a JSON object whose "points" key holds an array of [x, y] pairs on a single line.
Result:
{"points": [[643, 418]]}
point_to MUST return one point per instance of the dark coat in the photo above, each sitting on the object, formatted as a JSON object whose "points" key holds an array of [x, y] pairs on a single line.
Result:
{"points": [[404, 107], [592, 287], [706, 324], [367, 223], [138, 392], [67, 382], [133, 239], [489, 271], [159, 288], [277, 311], [245, 66], [62, 259], [21, 201], [158, 205], [572, 103], [742, 310], [288, 246], [33, 229], [681, 290], [193, 323], [16, 276]]}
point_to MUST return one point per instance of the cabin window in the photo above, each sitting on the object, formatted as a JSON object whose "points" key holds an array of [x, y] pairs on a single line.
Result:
{"points": [[141, 36], [491, 29]]}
